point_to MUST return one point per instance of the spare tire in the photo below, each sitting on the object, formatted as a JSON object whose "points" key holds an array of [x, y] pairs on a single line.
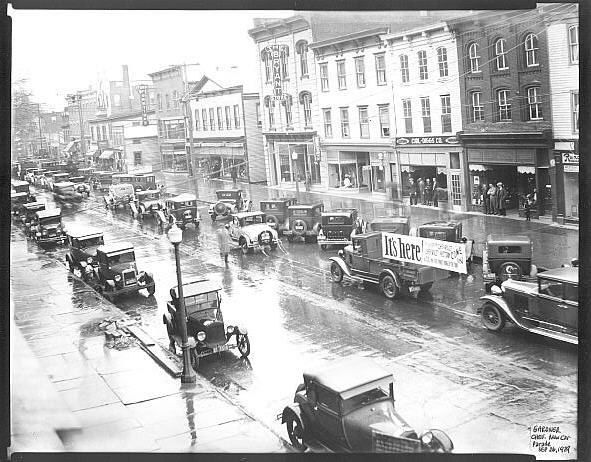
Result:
{"points": [[265, 238], [272, 220], [510, 270], [220, 208], [299, 227]]}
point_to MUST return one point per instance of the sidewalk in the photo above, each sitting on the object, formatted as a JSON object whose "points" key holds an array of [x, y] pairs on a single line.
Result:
{"points": [[554, 244], [73, 392]]}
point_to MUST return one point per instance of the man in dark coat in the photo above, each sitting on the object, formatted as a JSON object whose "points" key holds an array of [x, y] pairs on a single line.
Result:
{"points": [[428, 192], [421, 191], [414, 190], [434, 195], [501, 196]]}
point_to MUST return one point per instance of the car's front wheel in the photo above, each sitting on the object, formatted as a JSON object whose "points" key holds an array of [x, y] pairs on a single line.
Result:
{"points": [[336, 272], [492, 317], [388, 287], [243, 344], [295, 431]]}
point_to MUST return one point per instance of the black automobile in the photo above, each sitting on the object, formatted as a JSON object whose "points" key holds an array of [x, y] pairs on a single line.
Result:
{"points": [[27, 213], [337, 227], [507, 257], [450, 231], [303, 221], [396, 225], [276, 212], [82, 258], [180, 210], [47, 227], [147, 203]]}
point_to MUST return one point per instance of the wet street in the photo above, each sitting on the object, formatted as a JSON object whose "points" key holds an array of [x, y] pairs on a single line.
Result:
{"points": [[483, 389]]}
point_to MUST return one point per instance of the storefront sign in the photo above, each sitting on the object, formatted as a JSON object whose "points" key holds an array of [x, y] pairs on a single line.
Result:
{"points": [[420, 140], [143, 90], [275, 53], [569, 168], [570, 158], [422, 251]]}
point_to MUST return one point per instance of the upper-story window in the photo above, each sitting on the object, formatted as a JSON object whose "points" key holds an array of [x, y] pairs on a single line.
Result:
{"points": [[258, 114], [306, 101], [384, 114], [302, 50], [284, 58], [228, 118], [360, 71], [116, 100], [404, 74], [324, 77], [268, 61], [327, 123], [446, 113], [204, 119], [220, 118], [477, 107], [423, 71], [287, 105], [211, 119], [159, 101], [442, 61], [381, 69], [197, 124], [175, 99], [270, 105], [407, 115], [575, 110], [345, 132], [167, 97], [426, 114], [573, 44], [92, 134], [342, 75], [501, 55], [531, 50], [504, 105], [534, 103], [236, 116], [363, 122], [474, 56]]}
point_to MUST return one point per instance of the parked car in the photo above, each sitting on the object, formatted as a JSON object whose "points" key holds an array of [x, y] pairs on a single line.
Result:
{"points": [[348, 406], [229, 201], [181, 209], [251, 231], [207, 332], [144, 181], [363, 261], [17, 200], [30, 174], [396, 225], [450, 231], [303, 221], [119, 194], [101, 180], [47, 227], [39, 178], [117, 274], [57, 178], [27, 212], [122, 178], [81, 185], [22, 187], [82, 257], [276, 211], [549, 306], [65, 191], [147, 203], [337, 227], [47, 179]]}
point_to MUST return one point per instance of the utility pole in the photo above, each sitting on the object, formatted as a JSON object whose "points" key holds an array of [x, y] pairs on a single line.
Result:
{"points": [[246, 147], [40, 133], [189, 126]]}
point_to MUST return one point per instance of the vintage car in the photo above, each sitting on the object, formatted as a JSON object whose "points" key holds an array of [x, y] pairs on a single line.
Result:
{"points": [[507, 257], [303, 221], [26, 213], [147, 202], [450, 231], [549, 306], [251, 231], [57, 178], [144, 181], [17, 200], [396, 225], [180, 210], [119, 194], [65, 191], [101, 180], [47, 228], [229, 201], [348, 406], [22, 187], [117, 274], [121, 178], [337, 227], [81, 185], [82, 257], [205, 324], [276, 211], [47, 178], [363, 261]]}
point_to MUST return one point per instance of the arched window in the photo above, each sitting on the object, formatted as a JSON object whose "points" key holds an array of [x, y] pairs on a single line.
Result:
{"points": [[474, 56], [287, 105], [500, 55], [306, 101], [531, 50], [270, 105], [284, 57], [302, 50], [266, 58], [442, 60], [573, 44], [534, 103]]}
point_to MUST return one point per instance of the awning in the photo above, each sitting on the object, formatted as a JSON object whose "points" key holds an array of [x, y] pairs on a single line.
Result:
{"points": [[107, 154], [528, 170]]}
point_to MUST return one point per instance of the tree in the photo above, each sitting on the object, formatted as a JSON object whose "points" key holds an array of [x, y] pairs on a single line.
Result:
{"points": [[25, 118]]}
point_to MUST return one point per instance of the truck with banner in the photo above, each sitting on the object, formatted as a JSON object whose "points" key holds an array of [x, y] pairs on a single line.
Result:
{"points": [[397, 263]]}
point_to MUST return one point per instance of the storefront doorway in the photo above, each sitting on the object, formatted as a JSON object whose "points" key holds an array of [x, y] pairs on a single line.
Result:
{"points": [[346, 170], [519, 181], [424, 172]]}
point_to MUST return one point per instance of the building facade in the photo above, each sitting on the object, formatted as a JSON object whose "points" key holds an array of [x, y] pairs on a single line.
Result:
{"points": [[562, 26], [504, 88], [141, 152], [82, 107]]}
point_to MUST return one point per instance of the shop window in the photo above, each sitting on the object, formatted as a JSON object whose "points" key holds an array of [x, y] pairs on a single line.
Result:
{"points": [[204, 118], [220, 118], [229, 118], [306, 102], [384, 121], [287, 105], [404, 73], [342, 75], [477, 107], [236, 116], [327, 123], [136, 123], [446, 113], [211, 119], [360, 71], [324, 77], [501, 55], [503, 106], [423, 71], [573, 44], [426, 114], [381, 69], [136, 141], [92, 133], [474, 56], [454, 160], [137, 158], [534, 103], [302, 50], [575, 110], [407, 115], [345, 133], [363, 122], [104, 129], [442, 60], [197, 124], [531, 50]]}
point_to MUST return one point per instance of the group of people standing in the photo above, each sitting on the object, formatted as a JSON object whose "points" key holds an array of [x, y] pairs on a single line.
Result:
{"points": [[423, 191], [495, 199]]}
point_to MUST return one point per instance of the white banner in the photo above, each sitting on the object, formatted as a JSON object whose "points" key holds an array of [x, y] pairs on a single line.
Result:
{"points": [[422, 251]]}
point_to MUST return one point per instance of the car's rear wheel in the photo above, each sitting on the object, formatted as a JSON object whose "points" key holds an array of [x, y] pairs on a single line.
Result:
{"points": [[336, 272], [194, 359], [388, 287], [243, 344], [492, 317], [295, 431]]}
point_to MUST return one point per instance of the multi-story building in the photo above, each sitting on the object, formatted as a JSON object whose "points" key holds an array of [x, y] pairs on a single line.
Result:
{"points": [[423, 65], [504, 88], [562, 28], [227, 135], [50, 128], [141, 152], [82, 107]]}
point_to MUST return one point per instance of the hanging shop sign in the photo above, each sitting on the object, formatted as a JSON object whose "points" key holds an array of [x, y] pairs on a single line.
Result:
{"points": [[275, 52], [570, 157], [143, 92], [421, 140]]}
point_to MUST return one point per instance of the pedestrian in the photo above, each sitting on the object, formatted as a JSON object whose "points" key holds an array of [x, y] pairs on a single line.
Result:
{"points": [[469, 247], [224, 242], [428, 192], [308, 182], [421, 191], [413, 190], [528, 206], [234, 175], [486, 199], [435, 198], [501, 197], [492, 195]]}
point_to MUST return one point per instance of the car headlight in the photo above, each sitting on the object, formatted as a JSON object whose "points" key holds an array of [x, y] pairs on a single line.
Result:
{"points": [[230, 330], [341, 254], [89, 260], [426, 438], [38, 234], [201, 336], [117, 278]]}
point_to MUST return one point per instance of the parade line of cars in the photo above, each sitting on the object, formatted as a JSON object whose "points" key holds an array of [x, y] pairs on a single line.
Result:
{"points": [[343, 411]]}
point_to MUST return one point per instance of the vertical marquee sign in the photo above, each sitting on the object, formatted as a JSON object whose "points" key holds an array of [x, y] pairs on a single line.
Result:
{"points": [[143, 90], [275, 52]]}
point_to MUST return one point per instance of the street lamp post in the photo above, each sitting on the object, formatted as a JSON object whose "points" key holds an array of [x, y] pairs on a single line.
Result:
{"points": [[175, 236]]}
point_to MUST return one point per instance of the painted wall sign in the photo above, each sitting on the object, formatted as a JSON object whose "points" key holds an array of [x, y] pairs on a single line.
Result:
{"points": [[570, 157], [421, 140], [275, 52], [143, 92], [422, 251], [569, 168]]}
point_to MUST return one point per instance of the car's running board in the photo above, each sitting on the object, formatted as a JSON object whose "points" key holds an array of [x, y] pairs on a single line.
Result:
{"points": [[573, 339]]}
